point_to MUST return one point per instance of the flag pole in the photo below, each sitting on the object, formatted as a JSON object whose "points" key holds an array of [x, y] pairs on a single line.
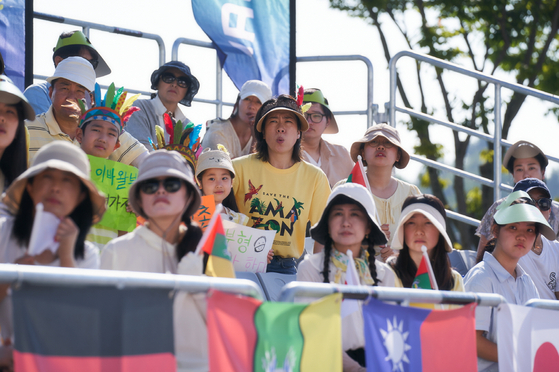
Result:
{"points": [[430, 269], [204, 238], [360, 161]]}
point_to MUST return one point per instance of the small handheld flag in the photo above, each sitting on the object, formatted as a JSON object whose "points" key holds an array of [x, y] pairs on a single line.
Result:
{"points": [[425, 277]]}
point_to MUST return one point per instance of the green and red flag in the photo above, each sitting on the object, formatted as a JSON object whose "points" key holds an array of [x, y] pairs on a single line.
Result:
{"points": [[214, 243], [245, 334], [358, 174], [425, 277], [93, 329]]}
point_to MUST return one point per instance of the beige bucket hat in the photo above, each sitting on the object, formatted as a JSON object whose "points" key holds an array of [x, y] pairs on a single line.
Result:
{"points": [[209, 159], [164, 163], [522, 150], [386, 131], [432, 215], [359, 194], [63, 156]]}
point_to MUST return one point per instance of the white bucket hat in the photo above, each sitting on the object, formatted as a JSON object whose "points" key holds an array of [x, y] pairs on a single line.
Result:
{"points": [[359, 194], [63, 156], [432, 215], [209, 159], [164, 163], [77, 70], [256, 88]]}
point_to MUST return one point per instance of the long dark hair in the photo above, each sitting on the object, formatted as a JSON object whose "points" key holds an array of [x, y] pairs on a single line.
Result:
{"points": [[342, 199], [405, 267], [14, 160], [289, 104], [82, 216]]}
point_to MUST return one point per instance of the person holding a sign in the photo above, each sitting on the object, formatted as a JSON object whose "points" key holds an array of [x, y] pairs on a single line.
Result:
{"points": [[517, 224], [59, 181], [423, 224], [166, 195], [14, 109], [275, 188], [348, 229], [98, 134]]}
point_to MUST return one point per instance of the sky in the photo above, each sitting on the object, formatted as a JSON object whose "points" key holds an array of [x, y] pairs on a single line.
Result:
{"points": [[321, 31]]}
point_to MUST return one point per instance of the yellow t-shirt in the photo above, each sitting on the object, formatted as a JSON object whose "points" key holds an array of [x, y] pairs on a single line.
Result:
{"points": [[289, 201]]}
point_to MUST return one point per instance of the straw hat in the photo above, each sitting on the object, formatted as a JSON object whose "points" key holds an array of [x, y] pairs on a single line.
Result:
{"points": [[386, 131], [164, 163], [361, 196], [63, 156], [431, 213]]}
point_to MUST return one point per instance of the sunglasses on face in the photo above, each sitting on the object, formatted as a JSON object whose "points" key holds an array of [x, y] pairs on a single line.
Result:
{"points": [[171, 185], [182, 81], [544, 204]]}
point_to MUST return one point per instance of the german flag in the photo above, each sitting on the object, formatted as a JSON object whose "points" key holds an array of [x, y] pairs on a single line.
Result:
{"points": [[92, 329]]}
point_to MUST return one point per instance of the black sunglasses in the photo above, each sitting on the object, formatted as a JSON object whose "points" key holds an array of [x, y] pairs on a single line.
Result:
{"points": [[151, 186], [544, 204], [182, 81]]}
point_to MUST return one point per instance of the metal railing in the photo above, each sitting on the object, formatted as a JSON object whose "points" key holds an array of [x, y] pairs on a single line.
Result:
{"points": [[543, 304], [402, 295], [496, 138], [86, 26], [18, 274]]}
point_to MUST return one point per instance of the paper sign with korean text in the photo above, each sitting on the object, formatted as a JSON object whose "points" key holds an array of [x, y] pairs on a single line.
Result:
{"points": [[248, 247], [114, 180], [205, 212]]}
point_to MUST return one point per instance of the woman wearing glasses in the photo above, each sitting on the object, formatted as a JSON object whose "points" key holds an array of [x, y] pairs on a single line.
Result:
{"points": [[381, 150], [334, 160], [174, 84], [166, 195]]}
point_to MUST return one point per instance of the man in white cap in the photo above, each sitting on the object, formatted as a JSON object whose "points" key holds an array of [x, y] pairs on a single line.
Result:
{"points": [[73, 80], [236, 133]]}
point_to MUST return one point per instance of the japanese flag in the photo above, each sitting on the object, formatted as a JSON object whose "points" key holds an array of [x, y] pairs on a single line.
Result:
{"points": [[527, 339]]}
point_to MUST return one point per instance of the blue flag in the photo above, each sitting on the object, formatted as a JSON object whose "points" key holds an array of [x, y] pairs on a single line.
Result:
{"points": [[12, 39], [251, 38], [406, 339]]}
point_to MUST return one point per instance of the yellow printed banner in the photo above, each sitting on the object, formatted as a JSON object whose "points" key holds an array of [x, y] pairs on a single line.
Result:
{"points": [[114, 180]]}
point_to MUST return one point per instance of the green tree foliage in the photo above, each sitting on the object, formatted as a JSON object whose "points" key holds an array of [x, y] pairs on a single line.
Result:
{"points": [[519, 37]]}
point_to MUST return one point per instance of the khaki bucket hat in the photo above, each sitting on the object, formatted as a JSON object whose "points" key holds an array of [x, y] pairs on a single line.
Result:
{"points": [[164, 163], [361, 196], [63, 156], [523, 150], [386, 131]]}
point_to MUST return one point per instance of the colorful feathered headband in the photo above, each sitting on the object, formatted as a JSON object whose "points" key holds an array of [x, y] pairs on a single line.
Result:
{"points": [[187, 142], [114, 108]]}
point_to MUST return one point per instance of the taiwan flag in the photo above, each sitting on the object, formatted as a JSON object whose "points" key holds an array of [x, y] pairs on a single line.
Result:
{"points": [[528, 339], [93, 329], [245, 334], [406, 339]]}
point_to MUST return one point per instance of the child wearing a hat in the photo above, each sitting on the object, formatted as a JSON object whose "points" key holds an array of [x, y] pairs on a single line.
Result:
{"points": [[522, 160], [215, 174], [348, 226], [516, 226], [423, 223], [98, 134], [14, 109], [277, 190], [382, 151]]}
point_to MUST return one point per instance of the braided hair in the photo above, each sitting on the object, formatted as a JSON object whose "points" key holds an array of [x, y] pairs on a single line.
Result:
{"points": [[328, 244]]}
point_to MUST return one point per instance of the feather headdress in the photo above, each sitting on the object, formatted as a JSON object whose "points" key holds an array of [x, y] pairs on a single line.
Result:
{"points": [[189, 145], [115, 108]]}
